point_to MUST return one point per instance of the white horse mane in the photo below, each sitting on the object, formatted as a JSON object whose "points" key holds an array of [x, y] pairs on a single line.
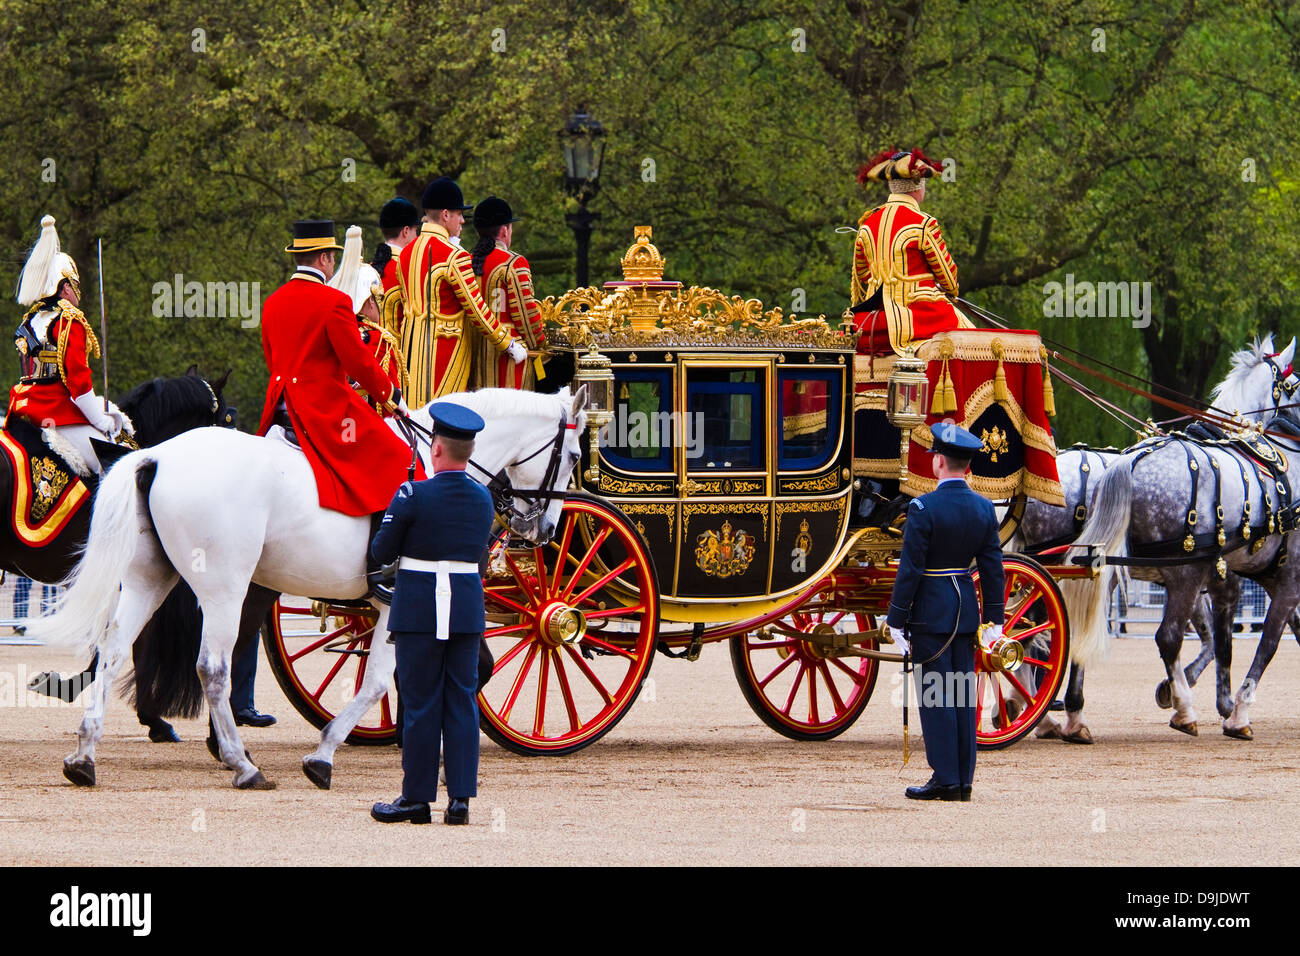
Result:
{"points": [[1233, 394], [502, 402]]}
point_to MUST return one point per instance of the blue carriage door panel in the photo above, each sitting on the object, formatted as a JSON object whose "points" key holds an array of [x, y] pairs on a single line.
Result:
{"points": [[725, 426], [809, 417], [641, 437]]}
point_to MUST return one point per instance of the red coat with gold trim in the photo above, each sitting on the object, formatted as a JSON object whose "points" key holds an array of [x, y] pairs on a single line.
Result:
{"points": [[440, 299], [388, 353], [309, 336], [63, 352], [507, 286], [900, 252]]}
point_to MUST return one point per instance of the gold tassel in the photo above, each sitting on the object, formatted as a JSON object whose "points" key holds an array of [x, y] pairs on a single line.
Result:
{"points": [[1000, 392], [949, 393], [936, 400], [1049, 395]]}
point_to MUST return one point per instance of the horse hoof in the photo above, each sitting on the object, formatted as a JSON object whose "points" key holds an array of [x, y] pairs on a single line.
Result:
{"points": [[256, 782], [1080, 736], [1239, 733], [163, 733], [81, 772], [1189, 729], [318, 772], [1051, 733], [1164, 699]]}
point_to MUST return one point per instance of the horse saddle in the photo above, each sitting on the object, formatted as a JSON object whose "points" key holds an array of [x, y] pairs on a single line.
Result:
{"points": [[47, 493]]}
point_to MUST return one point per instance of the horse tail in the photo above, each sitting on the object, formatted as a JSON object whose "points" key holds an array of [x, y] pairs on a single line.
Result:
{"points": [[164, 682], [1086, 600], [82, 614]]}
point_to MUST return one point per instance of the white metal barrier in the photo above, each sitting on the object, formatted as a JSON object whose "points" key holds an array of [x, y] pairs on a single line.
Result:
{"points": [[22, 599], [1140, 614]]}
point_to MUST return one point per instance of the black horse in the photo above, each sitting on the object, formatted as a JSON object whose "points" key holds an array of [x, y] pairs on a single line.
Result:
{"points": [[160, 409]]}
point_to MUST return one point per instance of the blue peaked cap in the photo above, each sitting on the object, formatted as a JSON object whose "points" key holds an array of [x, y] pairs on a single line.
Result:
{"points": [[951, 439], [455, 421]]}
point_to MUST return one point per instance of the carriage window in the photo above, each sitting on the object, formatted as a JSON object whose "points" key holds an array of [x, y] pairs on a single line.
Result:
{"points": [[640, 438], [725, 426], [810, 417]]}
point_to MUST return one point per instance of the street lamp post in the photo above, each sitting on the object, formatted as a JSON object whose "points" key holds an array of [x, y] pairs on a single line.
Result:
{"points": [[583, 141]]}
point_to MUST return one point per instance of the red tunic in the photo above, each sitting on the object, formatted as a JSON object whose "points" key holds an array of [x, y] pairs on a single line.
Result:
{"points": [[309, 335], [900, 252], [388, 354], [507, 286], [50, 403]]}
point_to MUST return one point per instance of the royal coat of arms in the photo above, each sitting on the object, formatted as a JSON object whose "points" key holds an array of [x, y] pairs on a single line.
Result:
{"points": [[48, 482], [720, 554]]}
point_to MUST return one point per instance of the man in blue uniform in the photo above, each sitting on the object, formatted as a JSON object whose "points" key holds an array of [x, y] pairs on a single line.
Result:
{"points": [[934, 602], [439, 529]]}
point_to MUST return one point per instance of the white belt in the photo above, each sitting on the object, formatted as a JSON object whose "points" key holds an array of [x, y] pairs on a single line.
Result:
{"points": [[442, 585]]}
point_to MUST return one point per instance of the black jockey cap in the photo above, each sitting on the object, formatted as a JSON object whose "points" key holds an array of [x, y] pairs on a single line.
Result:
{"points": [[313, 235], [455, 421], [399, 213], [492, 212], [954, 441], [443, 193]]}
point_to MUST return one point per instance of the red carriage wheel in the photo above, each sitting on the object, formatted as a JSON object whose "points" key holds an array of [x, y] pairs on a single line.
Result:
{"points": [[1010, 703], [801, 688], [320, 673], [572, 625]]}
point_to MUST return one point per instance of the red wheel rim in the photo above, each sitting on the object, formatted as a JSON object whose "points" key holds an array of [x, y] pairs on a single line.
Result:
{"points": [[800, 685], [547, 695], [1010, 704], [326, 670]]}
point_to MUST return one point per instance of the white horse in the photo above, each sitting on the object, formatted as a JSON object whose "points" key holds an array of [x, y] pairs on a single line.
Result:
{"points": [[222, 509]]}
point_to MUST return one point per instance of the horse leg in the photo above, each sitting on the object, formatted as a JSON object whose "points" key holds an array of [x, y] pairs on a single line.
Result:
{"points": [[319, 764], [1180, 595], [1237, 724], [1203, 624], [220, 629], [53, 684], [1224, 599], [139, 599], [1075, 730]]}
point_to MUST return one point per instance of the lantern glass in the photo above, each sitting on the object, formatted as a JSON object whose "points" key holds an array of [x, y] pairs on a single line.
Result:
{"points": [[583, 141]]}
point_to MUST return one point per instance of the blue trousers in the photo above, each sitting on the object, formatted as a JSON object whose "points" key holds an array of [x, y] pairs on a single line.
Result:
{"points": [[439, 688], [945, 699], [243, 671]]}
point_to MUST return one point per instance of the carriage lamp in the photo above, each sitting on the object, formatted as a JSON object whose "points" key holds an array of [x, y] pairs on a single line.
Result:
{"points": [[907, 400], [595, 371]]}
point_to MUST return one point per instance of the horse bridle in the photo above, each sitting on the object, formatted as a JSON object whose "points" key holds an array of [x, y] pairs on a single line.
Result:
{"points": [[503, 492]]}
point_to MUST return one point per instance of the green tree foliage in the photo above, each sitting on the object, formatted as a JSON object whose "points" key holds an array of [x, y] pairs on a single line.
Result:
{"points": [[1136, 142]]}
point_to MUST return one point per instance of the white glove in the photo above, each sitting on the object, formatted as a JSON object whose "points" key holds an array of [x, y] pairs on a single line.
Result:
{"points": [[992, 632], [92, 406], [900, 641], [119, 418], [517, 352]]}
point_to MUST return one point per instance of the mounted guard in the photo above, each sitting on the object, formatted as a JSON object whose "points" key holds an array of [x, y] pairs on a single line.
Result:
{"points": [[439, 292], [507, 286], [903, 274], [54, 341], [360, 282]]}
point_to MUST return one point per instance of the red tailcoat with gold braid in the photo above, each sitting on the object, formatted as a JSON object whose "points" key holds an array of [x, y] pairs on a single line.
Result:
{"points": [[900, 251], [388, 353], [309, 335], [56, 372], [507, 286], [390, 302], [439, 292]]}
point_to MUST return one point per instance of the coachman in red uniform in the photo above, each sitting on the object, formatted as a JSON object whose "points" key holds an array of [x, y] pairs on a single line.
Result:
{"points": [[399, 221], [903, 275], [507, 287], [309, 335]]}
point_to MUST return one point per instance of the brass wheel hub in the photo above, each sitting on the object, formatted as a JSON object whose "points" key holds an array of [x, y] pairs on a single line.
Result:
{"points": [[560, 624]]}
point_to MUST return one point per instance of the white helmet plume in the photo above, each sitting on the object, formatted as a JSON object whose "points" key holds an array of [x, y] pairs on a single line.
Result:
{"points": [[46, 267], [345, 276]]}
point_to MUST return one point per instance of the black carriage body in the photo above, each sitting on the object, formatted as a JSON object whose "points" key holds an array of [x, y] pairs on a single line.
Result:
{"points": [[735, 465]]}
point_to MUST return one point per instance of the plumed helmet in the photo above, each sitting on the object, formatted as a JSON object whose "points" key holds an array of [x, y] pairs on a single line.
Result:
{"points": [[46, 267]]}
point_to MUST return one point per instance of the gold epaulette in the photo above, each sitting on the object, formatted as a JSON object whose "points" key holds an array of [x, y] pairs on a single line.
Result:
{"points": [[70, 312]]}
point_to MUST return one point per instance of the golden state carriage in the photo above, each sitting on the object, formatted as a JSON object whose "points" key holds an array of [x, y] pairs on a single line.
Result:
{"points": [[719, 499]]}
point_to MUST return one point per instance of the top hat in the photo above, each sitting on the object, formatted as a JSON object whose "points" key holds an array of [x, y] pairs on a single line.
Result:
{"points": [[443, 193], [455, 421], [398, 213], [492, 212], [313, 235]]}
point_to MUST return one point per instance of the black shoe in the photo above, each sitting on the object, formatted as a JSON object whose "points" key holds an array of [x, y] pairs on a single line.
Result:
{"points": [[251, 718], [457, 811], [965, 794], [935, 791], [400, 810]]}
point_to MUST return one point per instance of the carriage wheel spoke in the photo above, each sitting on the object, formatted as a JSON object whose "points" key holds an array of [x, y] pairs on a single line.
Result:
{"points": [[510, 654], [519, 576], [333, 635], [979, 699], [333, 672], [605, 580], [586, 560], [813, 715], [543, 584], [830, 686], [798, 679], [502, 599], [563, 550], [1020, 688], [518, 684], [614, 612], [1002, 704], [779, 667], [567, 692], [539, 712], [1035, 661], [855, 676], [837, 618], [507, 629], [1029, 632], [364, 659], [754, 644], [1030, 600], [609, 647], [386, 712], [590, 675]]}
